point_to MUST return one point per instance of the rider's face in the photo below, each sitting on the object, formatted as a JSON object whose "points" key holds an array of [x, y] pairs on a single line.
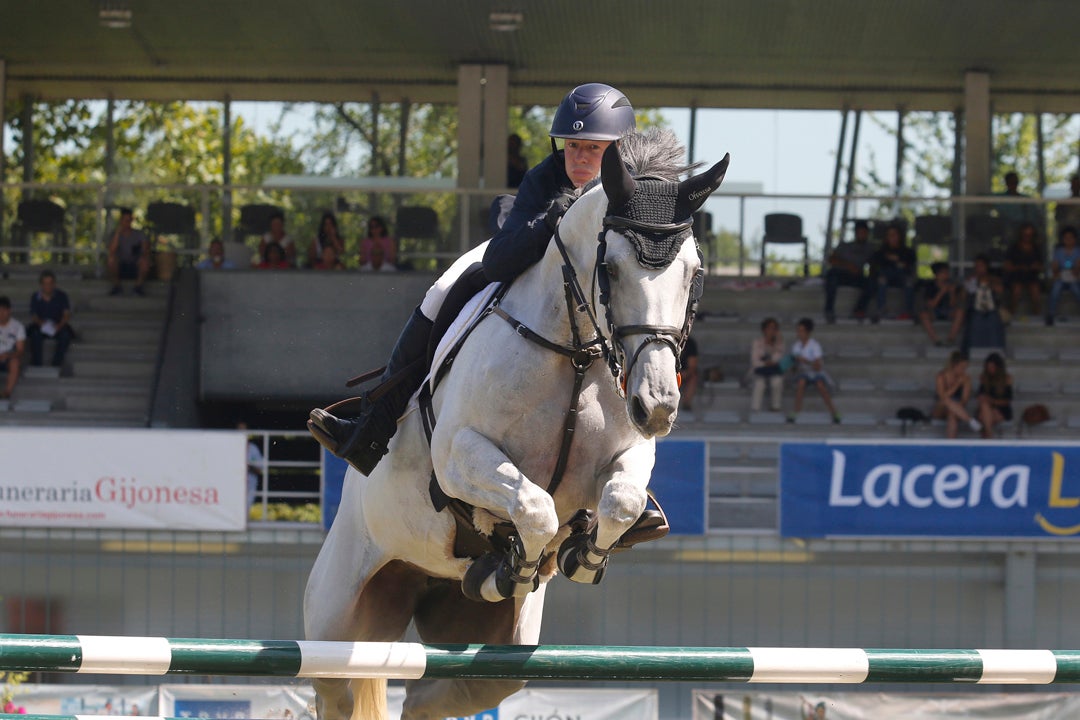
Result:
{"points": [[583, 159]]}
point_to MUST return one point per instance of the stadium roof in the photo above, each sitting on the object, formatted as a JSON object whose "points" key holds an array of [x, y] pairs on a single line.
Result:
{"points": [[874, 54]]}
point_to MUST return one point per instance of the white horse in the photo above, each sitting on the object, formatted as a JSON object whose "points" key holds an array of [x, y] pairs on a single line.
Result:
{"points": [[501, 411]]}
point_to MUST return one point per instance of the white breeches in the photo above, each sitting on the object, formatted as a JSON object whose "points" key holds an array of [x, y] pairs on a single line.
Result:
{"points": [[436, 294]]}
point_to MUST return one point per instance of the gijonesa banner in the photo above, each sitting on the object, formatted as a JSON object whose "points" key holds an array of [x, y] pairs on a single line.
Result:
{"points": [[944, 490]]}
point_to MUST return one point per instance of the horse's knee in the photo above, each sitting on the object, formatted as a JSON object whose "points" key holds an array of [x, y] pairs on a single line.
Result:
{"points": [[535, 514], [434, 699]]}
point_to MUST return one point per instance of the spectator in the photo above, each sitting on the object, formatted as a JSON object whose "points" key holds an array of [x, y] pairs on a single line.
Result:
{"points": [[12, 346], [766, 366], [893, 265], [378, 235], [277, 235], [1014, 214], [328, 235], [1063, 271], [995, 394], [273, 258], [1023, 269], [129, 255], [377, 261], [516, 164], [254, 464], [810, 369], [846, 267], [329, 259], [691, 376], [943, 300], [983, 324], [952, 390], [215, 258], [50, 316], [1068, 214]]}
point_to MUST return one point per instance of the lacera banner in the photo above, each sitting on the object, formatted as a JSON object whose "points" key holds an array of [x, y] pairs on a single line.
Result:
{"points": [[133, 479], [909, 489]]}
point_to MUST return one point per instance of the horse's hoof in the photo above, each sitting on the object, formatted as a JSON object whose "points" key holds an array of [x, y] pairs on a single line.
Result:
{"points": [[574, 564], [482, 568]]}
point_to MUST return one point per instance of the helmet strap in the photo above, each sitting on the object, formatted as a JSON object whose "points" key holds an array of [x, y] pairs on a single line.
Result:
{"points": [[554, 147]]}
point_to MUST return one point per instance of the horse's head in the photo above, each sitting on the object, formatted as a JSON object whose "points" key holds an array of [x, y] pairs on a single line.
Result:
{"points": [[648, 281]]}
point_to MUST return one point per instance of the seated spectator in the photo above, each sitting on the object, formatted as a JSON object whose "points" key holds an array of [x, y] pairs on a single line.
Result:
{"points": [[377, 261], [952, 390], [328, 235], [766, 366], [329, 259], [995, 394], [215, 258], [50, 316], [983, 324], [846, 267], [12, 346], [893, 265], [943, 300], [1015, 214], [277, 235], [129, 255], [273, 258], [1063, 271], [810, 369], [1023, 270], [691, 376], [378, 236]]}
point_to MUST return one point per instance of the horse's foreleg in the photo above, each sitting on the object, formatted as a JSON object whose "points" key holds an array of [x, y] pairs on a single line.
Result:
{"points": [[583, 558], [476, 471]]}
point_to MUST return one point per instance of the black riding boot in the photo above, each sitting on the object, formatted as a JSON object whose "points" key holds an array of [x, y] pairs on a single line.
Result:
{"points": [[362, 440]]}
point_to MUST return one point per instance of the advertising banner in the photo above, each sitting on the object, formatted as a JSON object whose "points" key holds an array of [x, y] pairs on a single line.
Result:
{"points": [[561, 704], [711, 705], [680, 484], [53, 699], [130, 479], [231, 702], [990, 489]]}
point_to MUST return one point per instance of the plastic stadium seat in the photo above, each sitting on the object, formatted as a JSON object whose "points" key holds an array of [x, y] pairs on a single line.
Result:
{"points": [[785, 229]]}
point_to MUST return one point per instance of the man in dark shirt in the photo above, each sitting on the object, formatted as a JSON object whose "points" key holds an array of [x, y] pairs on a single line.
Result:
{"points": [[846, 267], [50, 316]]}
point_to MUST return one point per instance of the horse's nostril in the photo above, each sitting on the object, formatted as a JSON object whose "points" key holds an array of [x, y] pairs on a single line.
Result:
{"points": [[638, 412]]}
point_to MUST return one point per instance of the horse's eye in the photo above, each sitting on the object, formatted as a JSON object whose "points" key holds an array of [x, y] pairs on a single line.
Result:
{"points": [[613, 274]]}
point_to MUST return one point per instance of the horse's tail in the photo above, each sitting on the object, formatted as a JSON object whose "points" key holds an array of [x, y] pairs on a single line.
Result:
{"points": [[369, 699]]}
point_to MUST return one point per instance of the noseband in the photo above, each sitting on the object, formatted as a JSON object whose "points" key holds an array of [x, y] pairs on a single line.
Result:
{"points": [[667, 335]]}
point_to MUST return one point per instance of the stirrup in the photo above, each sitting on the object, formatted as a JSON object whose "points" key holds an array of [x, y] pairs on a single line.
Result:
{"points": [[650, 525]]}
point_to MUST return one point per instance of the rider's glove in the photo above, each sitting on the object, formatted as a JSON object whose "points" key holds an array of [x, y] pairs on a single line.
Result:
{"points": [[556, 209]]}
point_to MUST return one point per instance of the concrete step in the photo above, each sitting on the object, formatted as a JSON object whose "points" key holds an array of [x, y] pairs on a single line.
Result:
{"points": [[119, 333], [742, 513], [134, 371], [108, 403], [72, 418]]}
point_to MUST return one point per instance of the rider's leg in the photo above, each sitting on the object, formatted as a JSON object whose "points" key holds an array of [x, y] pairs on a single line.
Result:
{"points": [[363, 440]]}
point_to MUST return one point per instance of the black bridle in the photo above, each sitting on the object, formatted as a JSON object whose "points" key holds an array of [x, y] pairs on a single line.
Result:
{"points": [[583, 352]]}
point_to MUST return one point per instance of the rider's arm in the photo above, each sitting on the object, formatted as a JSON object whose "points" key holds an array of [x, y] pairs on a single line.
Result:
{"points": [[524, 236]]}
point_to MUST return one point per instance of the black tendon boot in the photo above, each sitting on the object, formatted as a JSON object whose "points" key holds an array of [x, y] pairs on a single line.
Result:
{"points": [[362, 440]]}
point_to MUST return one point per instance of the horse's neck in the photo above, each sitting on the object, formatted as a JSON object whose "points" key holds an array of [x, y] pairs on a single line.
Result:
{"points": [[538, 298]]}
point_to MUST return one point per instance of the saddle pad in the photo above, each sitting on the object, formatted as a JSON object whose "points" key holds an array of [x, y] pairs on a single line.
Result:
{"points": [[458, 329]]}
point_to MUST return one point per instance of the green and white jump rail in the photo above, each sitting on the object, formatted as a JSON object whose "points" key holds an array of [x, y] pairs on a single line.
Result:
{"points": [[402, 660]]}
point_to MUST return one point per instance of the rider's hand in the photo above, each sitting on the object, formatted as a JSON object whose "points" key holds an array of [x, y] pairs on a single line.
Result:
{"points": [[557, 209]]}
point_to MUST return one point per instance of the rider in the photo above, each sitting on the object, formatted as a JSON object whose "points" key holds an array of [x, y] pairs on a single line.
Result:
{"points": [[589, 119]]}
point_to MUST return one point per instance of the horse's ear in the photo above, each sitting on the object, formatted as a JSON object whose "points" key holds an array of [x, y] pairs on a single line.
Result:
{"points": [[694, 191], [618, 185]]}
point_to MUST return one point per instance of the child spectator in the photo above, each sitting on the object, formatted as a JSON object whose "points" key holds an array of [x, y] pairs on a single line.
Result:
{"points": [[215, 258], [810, 369], [12, 346], [328, 235], [378, 236], [893, 265], [691, 376], [273, 258], [277, 236], [50, 316], [766, 367], [942, 301], [995, 394], [329, 259], [377, 261], [951, 394], [1064, 269], [1023, 270]]}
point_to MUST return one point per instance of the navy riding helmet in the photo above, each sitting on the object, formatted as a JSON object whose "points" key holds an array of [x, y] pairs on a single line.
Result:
{"points": [[593, 111]]}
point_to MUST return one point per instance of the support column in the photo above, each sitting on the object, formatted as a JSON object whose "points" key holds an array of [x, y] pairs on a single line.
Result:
{"points": [[1019, 609], [976, 133], [835, 188], [496, 84], [900, 147], [483, 101], [470, 95], [110, 139], [3, 126], [226, 169], [850, 185], [28, 142]]}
